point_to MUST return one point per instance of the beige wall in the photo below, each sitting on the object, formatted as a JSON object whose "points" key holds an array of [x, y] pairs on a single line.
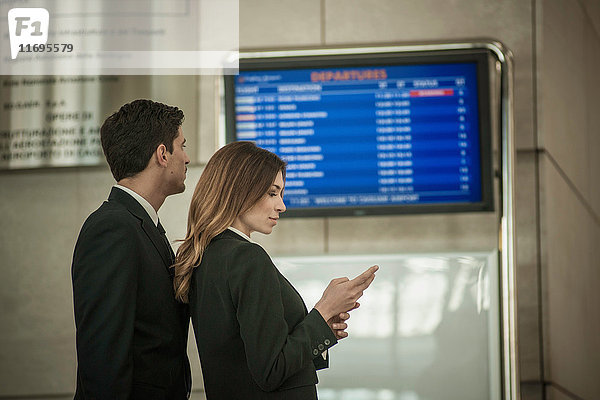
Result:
{"points": [[568, 144], [556, 46]]}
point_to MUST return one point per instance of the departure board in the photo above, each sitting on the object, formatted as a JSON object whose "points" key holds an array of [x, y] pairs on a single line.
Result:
{"points": [[367, 137]]}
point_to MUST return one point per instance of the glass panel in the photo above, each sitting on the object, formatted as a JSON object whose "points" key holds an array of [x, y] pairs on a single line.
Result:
{"points": [[427, 328]]}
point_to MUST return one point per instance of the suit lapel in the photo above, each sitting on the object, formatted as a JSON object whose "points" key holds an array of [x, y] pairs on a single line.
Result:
{"points": [[148, 226], [158, 242], [228, 233]]}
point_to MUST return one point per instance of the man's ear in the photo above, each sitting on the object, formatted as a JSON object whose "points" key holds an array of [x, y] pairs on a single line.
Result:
{"points": [[161, 155]]}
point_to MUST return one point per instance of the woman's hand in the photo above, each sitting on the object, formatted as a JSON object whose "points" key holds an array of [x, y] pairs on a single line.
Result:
{"points": [[338, 324], [341, 294]]}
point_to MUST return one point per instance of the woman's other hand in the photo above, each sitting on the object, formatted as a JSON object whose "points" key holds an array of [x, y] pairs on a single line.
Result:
{"points": [[338, 324]]}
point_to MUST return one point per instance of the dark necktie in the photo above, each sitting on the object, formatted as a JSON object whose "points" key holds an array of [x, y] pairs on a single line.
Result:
{"points": [[163, 235]]}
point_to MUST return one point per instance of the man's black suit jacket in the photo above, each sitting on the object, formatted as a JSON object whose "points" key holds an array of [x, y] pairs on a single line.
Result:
{"points": [[255, 337], [131, 332]]}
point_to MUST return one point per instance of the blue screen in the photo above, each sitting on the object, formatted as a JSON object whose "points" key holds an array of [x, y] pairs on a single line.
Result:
{"points": [[367, 136]]}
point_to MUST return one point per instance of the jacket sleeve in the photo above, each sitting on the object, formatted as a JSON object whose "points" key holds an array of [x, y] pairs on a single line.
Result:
{"points": [[320, 362], [104, 276], [274, 351]]}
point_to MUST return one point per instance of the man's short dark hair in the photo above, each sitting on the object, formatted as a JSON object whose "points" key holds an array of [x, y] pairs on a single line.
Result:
{"points": [[132, 134]]}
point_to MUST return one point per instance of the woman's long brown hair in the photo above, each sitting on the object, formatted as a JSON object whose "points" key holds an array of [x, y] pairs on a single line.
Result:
{"points": [[235, 178]]}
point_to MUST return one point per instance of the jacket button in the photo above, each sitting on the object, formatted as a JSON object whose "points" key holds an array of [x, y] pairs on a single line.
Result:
{"points": [[315, 352], [321, 347], [327, 342]]}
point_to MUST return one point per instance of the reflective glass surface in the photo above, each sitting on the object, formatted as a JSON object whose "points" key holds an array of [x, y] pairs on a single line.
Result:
{"points": [[427, 328]]}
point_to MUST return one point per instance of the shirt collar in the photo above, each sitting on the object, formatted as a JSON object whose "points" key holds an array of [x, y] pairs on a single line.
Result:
{"points": [[242, 234], [143, 202]]}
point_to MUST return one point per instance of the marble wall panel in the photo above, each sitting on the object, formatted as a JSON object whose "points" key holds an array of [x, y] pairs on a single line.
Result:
{"points": [[570, 250], [528, 289], [412, 233], [281, 23], [553, 393], [36, 313], [592, 78], [562, 113]]}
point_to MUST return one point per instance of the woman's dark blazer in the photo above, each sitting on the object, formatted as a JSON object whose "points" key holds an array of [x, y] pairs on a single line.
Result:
{"points": [[255, 337]]}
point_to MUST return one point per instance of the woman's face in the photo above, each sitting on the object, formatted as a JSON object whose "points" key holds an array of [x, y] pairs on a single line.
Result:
{"points": [[263, 216]]}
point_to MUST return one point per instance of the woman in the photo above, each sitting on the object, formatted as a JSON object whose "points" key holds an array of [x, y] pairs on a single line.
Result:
{"points": [[255, 337]]}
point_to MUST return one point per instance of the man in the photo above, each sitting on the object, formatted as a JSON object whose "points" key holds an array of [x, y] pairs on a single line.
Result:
{"points": [[131, 332]]}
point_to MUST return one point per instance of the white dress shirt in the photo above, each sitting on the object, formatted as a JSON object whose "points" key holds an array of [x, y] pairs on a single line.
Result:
{"points": [[242, 234], [143, 202]]}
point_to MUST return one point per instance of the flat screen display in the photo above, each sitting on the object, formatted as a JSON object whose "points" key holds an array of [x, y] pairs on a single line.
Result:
{"points": [[380, 135]]}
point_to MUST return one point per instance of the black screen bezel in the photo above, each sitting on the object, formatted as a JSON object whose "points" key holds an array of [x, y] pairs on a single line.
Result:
{"points": [[480, 56]]}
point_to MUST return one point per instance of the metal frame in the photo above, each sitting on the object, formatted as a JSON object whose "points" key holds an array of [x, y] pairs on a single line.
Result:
{"points": [[510, 366]]}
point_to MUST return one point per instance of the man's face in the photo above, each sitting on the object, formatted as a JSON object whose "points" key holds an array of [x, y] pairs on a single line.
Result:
{"points": [[177, 166]]}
